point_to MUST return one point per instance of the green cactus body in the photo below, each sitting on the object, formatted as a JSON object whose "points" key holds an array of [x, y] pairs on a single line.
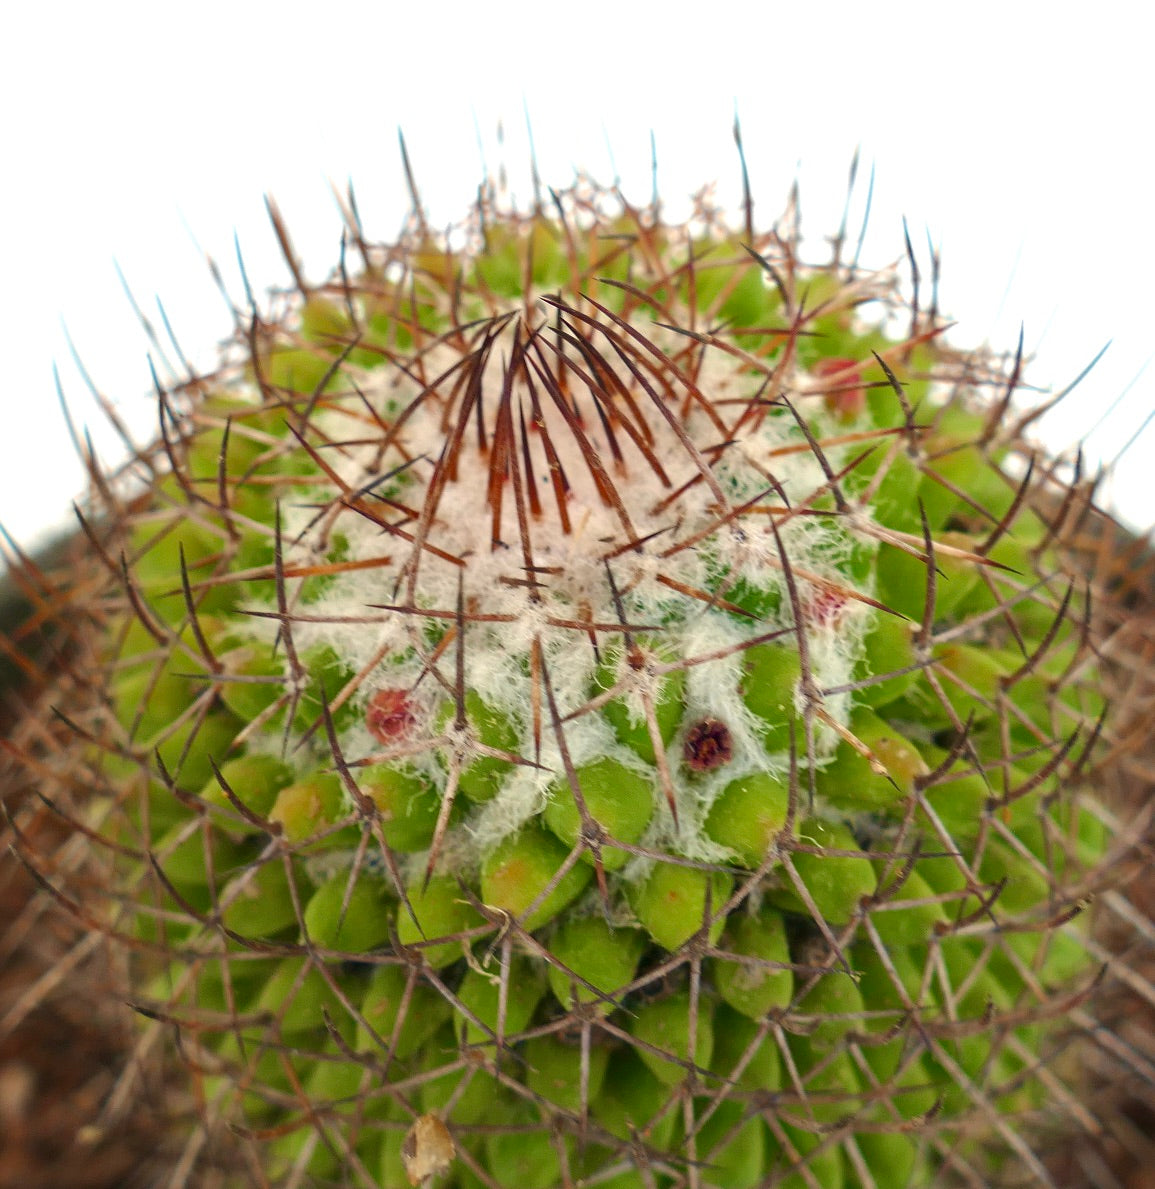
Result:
{"points": [[526, 693]]}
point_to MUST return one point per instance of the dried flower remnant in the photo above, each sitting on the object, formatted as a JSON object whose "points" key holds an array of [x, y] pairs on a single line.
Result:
{"points": [[707, 745], [389, 716]]}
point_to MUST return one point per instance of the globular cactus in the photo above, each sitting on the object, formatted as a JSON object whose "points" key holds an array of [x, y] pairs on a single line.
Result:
{"points": [[585, 701]]}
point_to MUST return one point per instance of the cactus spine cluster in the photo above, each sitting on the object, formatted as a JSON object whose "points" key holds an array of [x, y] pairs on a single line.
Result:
{"points": [[592, 702]]}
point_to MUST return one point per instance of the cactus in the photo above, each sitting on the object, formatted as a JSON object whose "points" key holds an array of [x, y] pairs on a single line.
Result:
{"points": [[605, 701]]}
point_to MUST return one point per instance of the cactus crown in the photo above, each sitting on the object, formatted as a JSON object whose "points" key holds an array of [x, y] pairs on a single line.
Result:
{"points": [[546, 498], [583, 698]]}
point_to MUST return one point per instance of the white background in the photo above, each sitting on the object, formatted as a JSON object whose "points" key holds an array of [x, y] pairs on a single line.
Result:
{"points": [[1017, 135]]}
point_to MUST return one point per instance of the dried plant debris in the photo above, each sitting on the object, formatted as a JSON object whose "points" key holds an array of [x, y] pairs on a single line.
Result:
{"points": [[585, 701]]}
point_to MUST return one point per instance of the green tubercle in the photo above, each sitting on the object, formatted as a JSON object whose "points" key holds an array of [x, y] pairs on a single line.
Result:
{"points": [[664, 1029], [675, 902], [748, 817], [525, 877], [595, 961], [615, 797]]}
